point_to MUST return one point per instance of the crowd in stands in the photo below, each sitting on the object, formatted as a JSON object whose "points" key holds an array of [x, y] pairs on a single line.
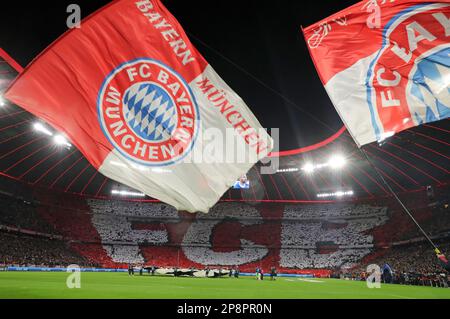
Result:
{"points": [[239, 211], [132, 209], [94, 254], [114, 222], [202, 228], [124, 253], [72, 224], [118, 229], [310, 259], [412, 258], [23, 250], [240, 256], [412, 264], [113, 232], [352, 234], [330, 211], [21, 214], [437, 223]]}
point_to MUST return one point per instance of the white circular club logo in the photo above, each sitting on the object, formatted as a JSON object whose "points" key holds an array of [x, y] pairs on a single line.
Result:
{"points": [[148, 112]]}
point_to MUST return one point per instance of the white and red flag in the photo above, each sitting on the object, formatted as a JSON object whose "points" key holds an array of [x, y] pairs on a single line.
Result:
{"points": [[133, 94], [385, 64]]}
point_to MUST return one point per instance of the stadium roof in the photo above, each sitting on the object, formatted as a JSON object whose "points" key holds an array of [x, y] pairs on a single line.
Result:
{"points": [[409, 161]]}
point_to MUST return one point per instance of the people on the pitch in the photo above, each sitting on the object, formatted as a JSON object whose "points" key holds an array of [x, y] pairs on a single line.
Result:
{"points": [[236, 272], [273, 273], [259, 273], [387, 274], [130, 270]]}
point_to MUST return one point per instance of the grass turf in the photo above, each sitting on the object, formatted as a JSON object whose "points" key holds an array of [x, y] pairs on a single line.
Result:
{"points": [[44, 285]]}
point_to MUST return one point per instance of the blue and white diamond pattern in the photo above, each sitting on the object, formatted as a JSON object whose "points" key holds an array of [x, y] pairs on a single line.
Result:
{"points": [[431, 87], [149, 111]]}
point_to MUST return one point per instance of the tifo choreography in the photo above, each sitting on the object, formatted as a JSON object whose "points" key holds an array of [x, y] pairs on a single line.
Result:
{"points": [[130, 169]]}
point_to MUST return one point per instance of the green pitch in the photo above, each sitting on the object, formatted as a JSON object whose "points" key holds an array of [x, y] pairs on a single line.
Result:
{"points": [[120, 285]]}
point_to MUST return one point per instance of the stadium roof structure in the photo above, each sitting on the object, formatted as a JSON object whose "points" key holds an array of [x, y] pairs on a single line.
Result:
{"points": [[409, 161]]}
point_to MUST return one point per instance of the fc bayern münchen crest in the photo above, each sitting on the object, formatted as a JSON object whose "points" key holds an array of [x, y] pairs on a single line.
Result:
{"points": [[408, 81], [148, 112]]}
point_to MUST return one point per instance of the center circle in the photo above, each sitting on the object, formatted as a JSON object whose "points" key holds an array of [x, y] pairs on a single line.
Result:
{"points": [[150, 111]]}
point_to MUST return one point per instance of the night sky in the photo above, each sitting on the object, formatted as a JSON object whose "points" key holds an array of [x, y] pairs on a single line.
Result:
{"points": [[262, 37]]}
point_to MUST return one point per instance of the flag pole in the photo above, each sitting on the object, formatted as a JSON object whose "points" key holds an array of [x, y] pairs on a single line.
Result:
{"points": [[407, 211], [436, 249]]}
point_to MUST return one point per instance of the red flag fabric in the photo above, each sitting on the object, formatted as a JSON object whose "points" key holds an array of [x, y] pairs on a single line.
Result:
{"points": [[134, 95], [385, 64], [443, 258]]}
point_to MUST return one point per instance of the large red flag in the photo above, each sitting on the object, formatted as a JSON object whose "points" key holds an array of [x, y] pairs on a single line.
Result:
{"points": [[385, 64], [133, 94]]}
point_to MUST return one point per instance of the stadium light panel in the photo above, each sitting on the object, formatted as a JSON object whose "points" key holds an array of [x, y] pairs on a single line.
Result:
{"points": [[2, 101], [61, 140], [127, 193], [39, 127], [338, 194], [308, 168], [287, 170], [337, 162]]}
